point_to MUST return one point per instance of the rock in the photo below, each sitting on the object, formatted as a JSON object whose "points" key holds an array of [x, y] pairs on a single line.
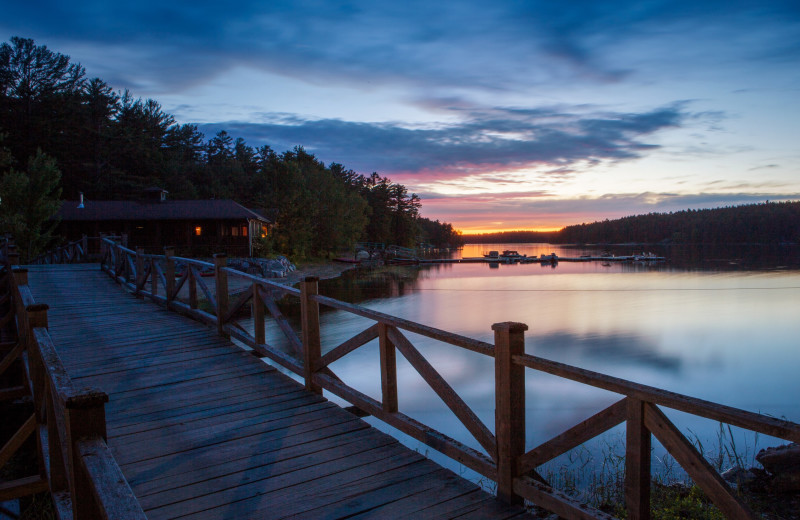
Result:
{"points": [[780, 459], [738, 475], [783, 463]]}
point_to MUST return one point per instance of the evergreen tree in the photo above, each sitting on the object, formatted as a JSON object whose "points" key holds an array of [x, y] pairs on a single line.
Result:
{"points": [[28, 201]]}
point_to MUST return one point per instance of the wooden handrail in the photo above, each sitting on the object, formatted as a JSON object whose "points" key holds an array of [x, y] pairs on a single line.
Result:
{"points": [[508, 463], [75, 461]]}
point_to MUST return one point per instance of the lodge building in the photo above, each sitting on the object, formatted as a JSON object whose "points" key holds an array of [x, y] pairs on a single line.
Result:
{"points": [[196, 227]]}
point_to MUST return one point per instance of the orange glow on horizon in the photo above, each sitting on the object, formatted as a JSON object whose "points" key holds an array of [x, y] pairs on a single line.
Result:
{"points": [[480, 231]]}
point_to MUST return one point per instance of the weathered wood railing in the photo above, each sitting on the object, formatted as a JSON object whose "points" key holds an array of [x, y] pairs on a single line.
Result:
{"points": [[75, 463], [505, 459], [79, 251]]}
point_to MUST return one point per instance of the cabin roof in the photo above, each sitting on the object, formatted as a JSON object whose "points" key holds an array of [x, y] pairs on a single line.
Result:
{"points": [[100, 210]]}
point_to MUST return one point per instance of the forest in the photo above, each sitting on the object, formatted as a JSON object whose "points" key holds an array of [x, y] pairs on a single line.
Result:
{"points": [[62, 133], [767, 223]]}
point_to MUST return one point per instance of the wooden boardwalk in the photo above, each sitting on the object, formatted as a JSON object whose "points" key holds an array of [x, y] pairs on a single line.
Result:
{"points": [[202, 429]]}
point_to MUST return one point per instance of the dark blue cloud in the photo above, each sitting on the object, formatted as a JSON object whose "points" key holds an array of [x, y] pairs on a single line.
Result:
{"points": [[498, 138], [473, 43]]}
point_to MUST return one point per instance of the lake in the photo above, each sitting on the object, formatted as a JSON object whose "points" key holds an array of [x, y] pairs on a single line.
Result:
{"points": [[721, 324]]}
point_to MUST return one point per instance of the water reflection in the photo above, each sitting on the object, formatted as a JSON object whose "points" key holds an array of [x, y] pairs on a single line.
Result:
{"points": [[615, 348], [712, 329]]}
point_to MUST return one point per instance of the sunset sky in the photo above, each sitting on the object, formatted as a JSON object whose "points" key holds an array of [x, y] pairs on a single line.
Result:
{"points": [[500, 115]]}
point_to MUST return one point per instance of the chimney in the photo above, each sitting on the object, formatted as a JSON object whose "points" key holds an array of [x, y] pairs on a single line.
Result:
{"points": [[80, 205]]}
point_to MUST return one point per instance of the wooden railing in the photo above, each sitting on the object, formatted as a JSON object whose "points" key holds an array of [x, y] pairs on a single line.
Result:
{"points": [[504, 458], [75, 252], [75, 463]]}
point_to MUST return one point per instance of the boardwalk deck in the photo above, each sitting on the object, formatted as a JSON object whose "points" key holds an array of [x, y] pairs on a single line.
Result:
{"points": [[204, 430]]}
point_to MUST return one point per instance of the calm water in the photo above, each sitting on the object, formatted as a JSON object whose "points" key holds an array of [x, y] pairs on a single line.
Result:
{"points": [[721, 325]]}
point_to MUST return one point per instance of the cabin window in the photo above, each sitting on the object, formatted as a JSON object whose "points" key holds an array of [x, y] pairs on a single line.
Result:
{"points": [[198, 230], [235, 231], [244, 231]]}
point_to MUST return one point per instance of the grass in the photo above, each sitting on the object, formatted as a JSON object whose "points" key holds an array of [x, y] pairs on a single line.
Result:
{"points": [[597, 478]]}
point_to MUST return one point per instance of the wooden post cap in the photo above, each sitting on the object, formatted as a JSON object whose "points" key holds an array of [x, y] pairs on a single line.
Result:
{"points": [[37, 307], [220, 255], [510, 326], [84, 398], [310, 279]]}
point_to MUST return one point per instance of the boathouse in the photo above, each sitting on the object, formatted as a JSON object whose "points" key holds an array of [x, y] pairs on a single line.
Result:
{"points": [[193, 227]]}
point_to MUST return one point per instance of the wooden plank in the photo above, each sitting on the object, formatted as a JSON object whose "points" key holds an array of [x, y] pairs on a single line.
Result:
{"points": [[388, 360], [230, 450], [111, 491], [410, 501], [240, 301], [695, 465], [471, 458], [453, 401], [210, 415], [202, 401], [177, 440], [557, 502], [179, 284], [381, 496], [159, 398], [282, 322], [509, 339], [15, 392], [264, 475], [458, 340], [9, 359], [305, 450], [22, 487], [637, 462], [16, 440], [305, 490], [203, 287], [172, 467], [575, 436], [360, 339], [717, 412]]}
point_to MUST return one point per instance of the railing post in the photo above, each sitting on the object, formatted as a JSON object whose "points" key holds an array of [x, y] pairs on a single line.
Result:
{"points": [[85, 245], [309, 310], [36, 317], [139, 271], [637, 462], [20, 277], [388, 369], [221, 286], [258, 316], [509, 340], [123, 240], [169, 273], [13, 258], [153, 278], [192, 287], [85, 418]]}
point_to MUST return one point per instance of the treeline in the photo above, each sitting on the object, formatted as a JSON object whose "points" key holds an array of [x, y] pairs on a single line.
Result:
{"points": [[770, 222], [110, 146]]}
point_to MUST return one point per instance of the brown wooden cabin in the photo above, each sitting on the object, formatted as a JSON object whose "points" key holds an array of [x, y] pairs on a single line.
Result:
{"points": [[193, 227]]}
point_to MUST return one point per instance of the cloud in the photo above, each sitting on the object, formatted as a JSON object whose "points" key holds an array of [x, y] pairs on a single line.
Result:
{"points": [[481, 44], [487, 139]]}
